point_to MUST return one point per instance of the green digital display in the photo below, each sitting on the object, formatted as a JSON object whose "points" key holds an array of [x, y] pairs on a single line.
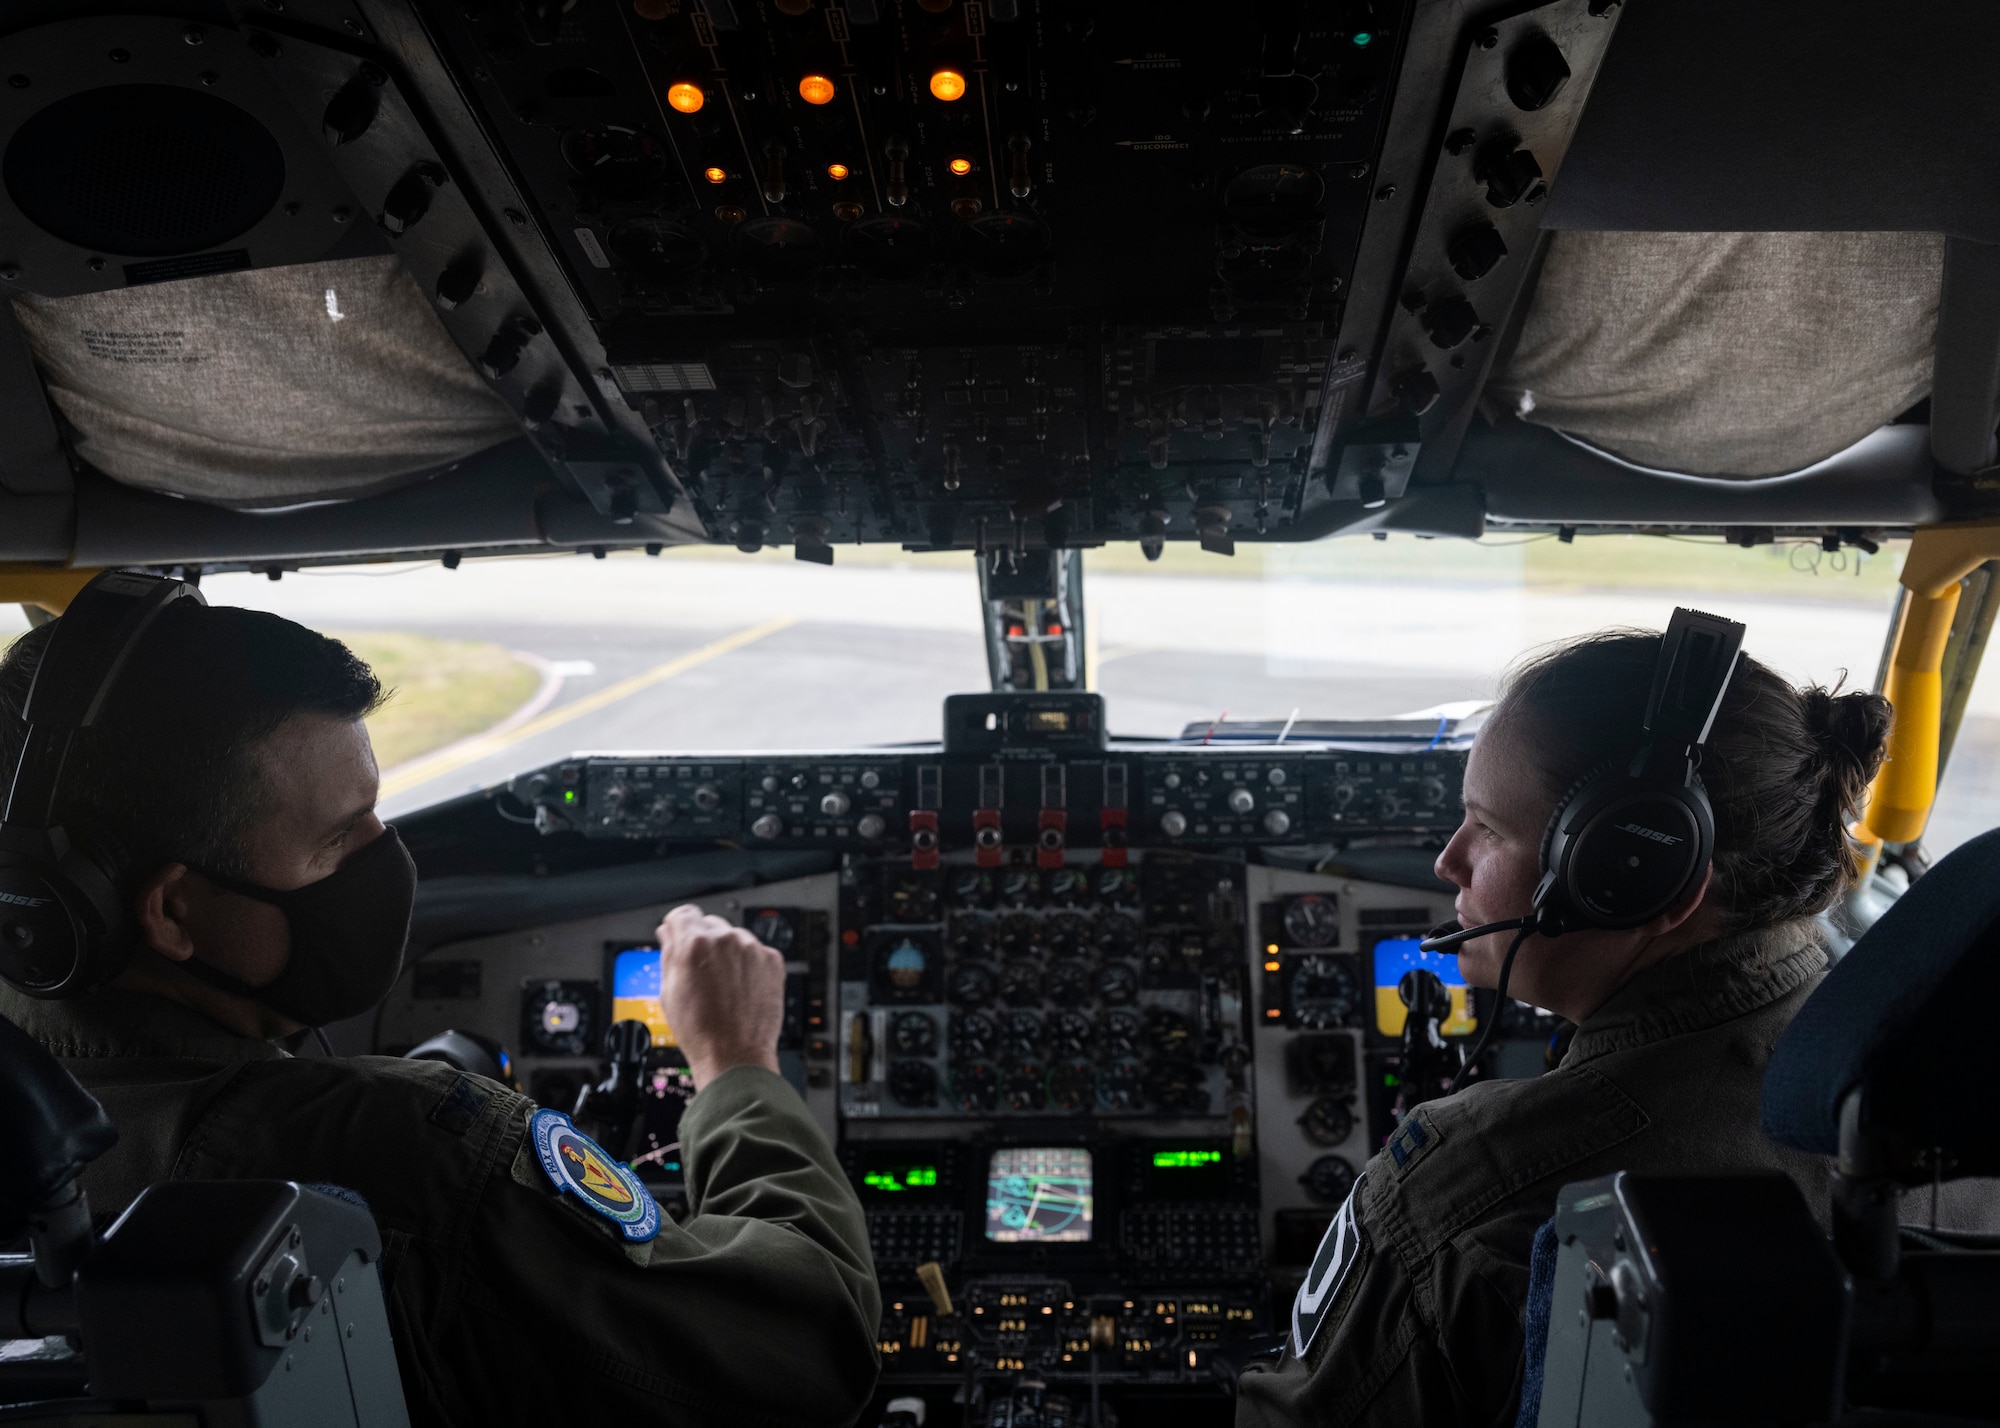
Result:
{"points": [[901, 1178], [1185, 1159]]}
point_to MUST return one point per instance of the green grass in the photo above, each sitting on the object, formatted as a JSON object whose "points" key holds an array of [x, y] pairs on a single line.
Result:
{"points": [[443, 690], [1592, 562]]}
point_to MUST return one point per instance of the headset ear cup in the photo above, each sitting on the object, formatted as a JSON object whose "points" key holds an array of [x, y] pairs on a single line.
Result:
{"points": [[1569, 800]]}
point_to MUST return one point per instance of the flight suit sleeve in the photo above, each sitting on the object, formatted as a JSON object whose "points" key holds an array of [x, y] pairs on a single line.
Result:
{"points": [[512, 1301], [1407, 1338], [760, 1308]]}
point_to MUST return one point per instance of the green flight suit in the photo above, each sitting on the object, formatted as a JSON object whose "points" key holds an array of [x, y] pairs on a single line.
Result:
{"points": [[510, 1303], [1422, 1300]]}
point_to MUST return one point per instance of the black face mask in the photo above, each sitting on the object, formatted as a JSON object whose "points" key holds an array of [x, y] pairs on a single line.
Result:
{"points": [[348, 933]]}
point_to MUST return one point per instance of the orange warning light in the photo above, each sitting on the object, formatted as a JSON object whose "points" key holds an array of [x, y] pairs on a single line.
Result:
{"points": [[961, 167], [948, 84], [836, 172], [687, 98], [816, 89], [714, 175]]}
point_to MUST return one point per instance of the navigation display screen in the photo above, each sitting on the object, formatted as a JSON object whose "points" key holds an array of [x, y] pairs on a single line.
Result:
{"points": [[1396, 955], [1039, 1195], [635, 992]]}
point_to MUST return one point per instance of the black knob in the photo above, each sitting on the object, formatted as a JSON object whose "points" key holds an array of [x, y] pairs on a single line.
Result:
{"points": [[1511, 176], [1536, 72], [410, 199], [1418, 391], [1476, 251], [503, 353], [350, 112], [458, 282], [1449, 322], [304, 1291], [627, 1042]]}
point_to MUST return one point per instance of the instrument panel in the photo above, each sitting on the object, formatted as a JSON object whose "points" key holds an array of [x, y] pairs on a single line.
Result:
{"points": [[1102, 1030]]}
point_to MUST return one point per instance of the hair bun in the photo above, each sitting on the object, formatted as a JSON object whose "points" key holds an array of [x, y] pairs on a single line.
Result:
{"points": [[1851, 731]]}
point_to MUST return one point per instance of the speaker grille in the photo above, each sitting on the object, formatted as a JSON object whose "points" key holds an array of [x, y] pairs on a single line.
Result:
{"points": [[144, 169]]}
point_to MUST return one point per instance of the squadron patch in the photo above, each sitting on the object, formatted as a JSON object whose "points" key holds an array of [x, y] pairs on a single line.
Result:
{"points": [[1332, 1263], [577, 1165]]}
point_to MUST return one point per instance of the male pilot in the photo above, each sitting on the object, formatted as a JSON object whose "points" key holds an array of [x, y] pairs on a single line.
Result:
{"points": [[232, 769]]}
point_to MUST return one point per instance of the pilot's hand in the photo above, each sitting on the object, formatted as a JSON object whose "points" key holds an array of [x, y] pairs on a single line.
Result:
{"points": [[722, 991]]}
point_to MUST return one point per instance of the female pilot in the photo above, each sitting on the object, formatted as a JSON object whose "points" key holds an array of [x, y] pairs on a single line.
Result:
{"points": [[1413, 1311]]}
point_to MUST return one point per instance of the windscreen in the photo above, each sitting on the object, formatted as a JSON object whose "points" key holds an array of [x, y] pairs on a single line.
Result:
{"points": [[505, 665]]}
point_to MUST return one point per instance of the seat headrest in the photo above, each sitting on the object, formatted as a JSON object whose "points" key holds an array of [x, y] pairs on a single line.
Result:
{"points": [[1908, 1016]]}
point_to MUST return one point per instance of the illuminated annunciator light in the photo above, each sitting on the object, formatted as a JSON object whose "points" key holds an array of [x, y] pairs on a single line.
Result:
{"points": [[685, 97], [961, 167], [837, 172], [715, 175], [816, 89], [948, 84]]}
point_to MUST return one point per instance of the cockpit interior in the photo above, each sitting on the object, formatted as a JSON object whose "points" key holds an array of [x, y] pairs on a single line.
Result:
{"points": [[1023, 506]]}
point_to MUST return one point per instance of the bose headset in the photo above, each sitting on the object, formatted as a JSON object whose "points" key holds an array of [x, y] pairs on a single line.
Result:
{"points": [[63, 913], [1631, 837]]}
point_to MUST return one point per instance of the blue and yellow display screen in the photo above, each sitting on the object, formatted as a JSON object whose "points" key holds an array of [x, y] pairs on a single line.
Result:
{"points": [[1039, 1195], [635, 992], [1395, 956]]}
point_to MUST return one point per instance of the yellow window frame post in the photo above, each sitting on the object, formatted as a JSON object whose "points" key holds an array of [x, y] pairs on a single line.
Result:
{"points": [[46, 587], [1899, 803]]}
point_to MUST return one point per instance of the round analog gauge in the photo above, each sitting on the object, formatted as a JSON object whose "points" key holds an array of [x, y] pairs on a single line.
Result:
{"points": [[970, 938], [1327, 1121], [1021, 984], [975, 1086], [1024, 1085], [655, 248], [1067, 886], [913, 1034], [774, 929], [620, 159], [779, 248], [1020, 887], [1118, 1032], [1005, 244], [1021, 1032], [1071, 1083], [971, 887], [1121, 1084], [913, 1083], [564, 1022], [1176, 1085], [1113, 935], [889, 247], [969, 985], [914, 898], [973, 1034], [1324, 992], [1116, 983], [1020, 936], [1069, 983], [1312, 921], [1168, 1032], [1273, 199], [1065, 933], [1069, 1032], [1328, 1179]]}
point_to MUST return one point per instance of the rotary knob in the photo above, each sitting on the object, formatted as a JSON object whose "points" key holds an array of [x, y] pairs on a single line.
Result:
{"points": [[708, 798], [835, 804], [1241, 800], [1431, 792], [871, 825], [1276, 777], [1173, 823], [1343, 794], [1277, 822], [870, 779], [1388, 806], [768, 825], [615, 796]]}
